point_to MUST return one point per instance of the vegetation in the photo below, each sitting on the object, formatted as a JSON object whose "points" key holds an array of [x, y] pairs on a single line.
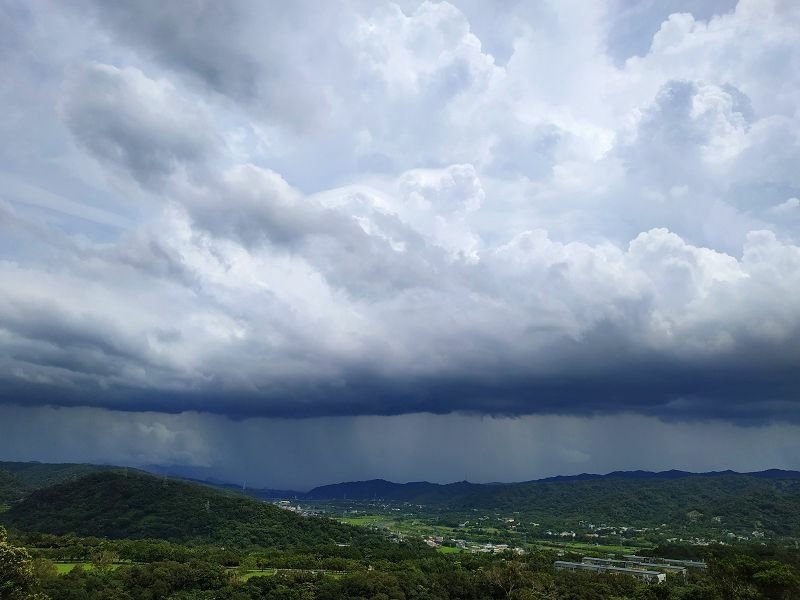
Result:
{"points": [[17, 578], [741, 502], [131, 536], [690, 503], [735, 576], [118, 505]]}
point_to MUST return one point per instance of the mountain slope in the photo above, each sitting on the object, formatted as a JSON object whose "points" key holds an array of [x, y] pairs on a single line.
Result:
{"points": [[116, 505]]}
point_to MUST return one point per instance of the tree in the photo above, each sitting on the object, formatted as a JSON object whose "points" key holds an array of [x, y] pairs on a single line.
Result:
{"points": [[778, 581], [510, 576], [103, 560], [17, 581], [44, 569]]}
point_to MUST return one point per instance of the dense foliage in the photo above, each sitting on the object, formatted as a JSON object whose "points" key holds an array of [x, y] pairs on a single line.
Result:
{"points": [[17, 578], [733, 577], [741, 502]]}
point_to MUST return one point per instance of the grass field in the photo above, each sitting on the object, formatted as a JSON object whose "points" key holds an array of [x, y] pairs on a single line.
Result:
{"points": [[366, 521], [448, 550], [65, 567], [264, 573]]}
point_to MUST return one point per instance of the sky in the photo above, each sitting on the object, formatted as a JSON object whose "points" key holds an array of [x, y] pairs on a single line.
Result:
{"points": [[299, 243]]}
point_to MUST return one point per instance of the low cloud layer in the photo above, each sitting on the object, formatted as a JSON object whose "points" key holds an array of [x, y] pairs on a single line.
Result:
{"points": [[302, 453], [385, 209]]}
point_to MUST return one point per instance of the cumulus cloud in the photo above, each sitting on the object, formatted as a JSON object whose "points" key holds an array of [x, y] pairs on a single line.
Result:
{"points": [[360, 210]]}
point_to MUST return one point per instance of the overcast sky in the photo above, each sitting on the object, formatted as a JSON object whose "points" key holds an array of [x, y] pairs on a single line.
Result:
{"points": [[303, 242]]}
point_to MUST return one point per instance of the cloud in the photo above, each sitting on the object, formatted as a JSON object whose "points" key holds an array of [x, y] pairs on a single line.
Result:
{"points": [[221, 47], [532, 326], [360, 210], [788, 208], [135, 123]]}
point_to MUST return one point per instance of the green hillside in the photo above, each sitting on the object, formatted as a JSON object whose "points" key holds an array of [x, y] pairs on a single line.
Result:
{"points": [[18, 479], [117, 505]]}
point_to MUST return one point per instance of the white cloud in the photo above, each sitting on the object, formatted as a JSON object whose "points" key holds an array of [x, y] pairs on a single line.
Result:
{"points": [[789, 207]]}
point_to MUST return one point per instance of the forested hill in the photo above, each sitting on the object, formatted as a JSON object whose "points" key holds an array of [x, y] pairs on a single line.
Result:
{"points": [[742, 502], [18, 479], [114, 504], [380, 489], [425, 492]]}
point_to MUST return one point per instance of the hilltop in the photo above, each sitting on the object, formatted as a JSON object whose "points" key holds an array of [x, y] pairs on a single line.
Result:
{"points": [[18, 479]]}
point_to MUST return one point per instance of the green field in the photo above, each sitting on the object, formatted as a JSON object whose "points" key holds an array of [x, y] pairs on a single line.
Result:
{"points": [[62, 568], [258, 573], [448, 550], [66, 567], [367, 521]]}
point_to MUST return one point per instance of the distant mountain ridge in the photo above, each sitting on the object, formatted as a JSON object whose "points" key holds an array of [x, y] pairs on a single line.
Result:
{"points": [[374, 489], [24, 477], [383, 489]]}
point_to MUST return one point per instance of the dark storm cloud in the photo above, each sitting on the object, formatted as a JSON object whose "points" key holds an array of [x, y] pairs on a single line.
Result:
{"points": [[758, 385]]}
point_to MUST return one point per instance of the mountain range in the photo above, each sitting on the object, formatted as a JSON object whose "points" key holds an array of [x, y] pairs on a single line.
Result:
{"points": [[59, 498]]}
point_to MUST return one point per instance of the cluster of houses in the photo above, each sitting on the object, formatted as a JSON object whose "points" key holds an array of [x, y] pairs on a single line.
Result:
{"points": [[287, 505], [473, 547]]}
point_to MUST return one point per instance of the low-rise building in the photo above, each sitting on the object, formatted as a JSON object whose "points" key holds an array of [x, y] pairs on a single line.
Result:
{"points": [[648, 576]]}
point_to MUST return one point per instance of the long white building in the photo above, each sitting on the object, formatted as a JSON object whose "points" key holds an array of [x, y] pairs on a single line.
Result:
{"points": [[648, 576]]}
